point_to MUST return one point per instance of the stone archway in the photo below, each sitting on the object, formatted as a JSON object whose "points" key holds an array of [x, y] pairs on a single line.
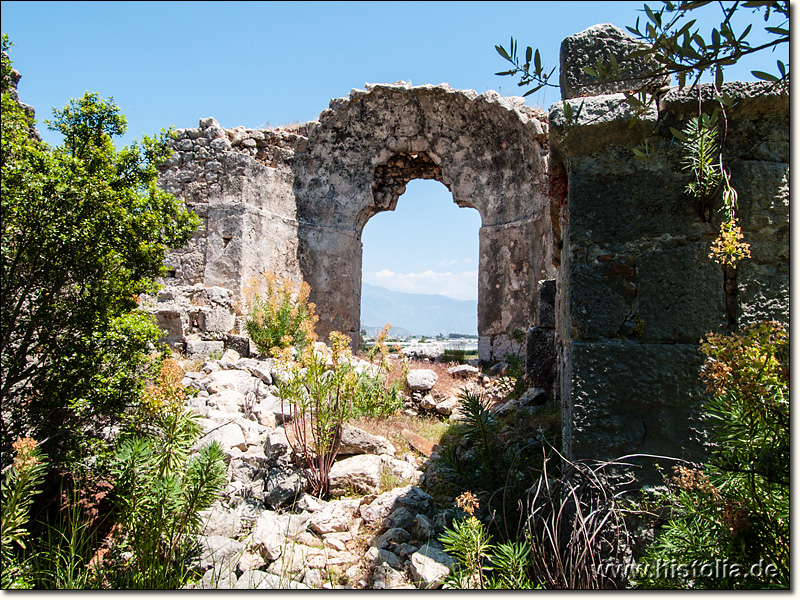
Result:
{"points": [[487, 150]]}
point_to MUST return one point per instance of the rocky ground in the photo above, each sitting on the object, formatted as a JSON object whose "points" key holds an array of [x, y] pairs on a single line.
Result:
{"points": [[380, 528]]}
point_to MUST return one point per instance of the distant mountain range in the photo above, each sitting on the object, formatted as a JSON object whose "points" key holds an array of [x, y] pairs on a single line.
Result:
{"points": [[420, 314]]}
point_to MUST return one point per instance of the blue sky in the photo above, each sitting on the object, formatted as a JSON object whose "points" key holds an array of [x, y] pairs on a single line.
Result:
{"points": [[261, 64]]}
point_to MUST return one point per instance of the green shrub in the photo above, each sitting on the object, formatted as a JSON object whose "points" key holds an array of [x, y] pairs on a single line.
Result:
{"points": [[85, 230], [159, 493], [735, 509], [16, 491], [321, 400], [473, 458], [280, 316], [506, 564]]}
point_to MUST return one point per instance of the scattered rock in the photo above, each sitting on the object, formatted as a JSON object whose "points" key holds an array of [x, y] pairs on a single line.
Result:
{"points": [[360, 473], [261, 580], [423, 445], [429, 566], [335, 516], [421, 380], [447, 406], [357, 441], [282, 486], [425, 350], [411, 497], [463, 371]]}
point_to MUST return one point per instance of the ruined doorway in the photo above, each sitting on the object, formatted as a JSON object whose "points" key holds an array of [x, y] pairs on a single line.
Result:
{"points": [[427, 245], [487, 150]]}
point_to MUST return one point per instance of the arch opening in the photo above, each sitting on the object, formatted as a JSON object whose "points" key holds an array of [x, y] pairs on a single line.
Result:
{"points": [[428, 247]]}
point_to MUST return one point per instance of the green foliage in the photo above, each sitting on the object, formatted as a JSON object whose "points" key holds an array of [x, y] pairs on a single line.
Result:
{"points": [[280, 316], [320, 399], [702, 157], [17, 490], [736, 509], [65, 549], [469, 542], [373, 398], [473, 458], [159, 493], [506, 564], [85, 230]]}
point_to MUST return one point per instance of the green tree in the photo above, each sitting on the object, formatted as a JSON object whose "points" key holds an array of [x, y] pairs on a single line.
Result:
{"points": [[84, 231]]}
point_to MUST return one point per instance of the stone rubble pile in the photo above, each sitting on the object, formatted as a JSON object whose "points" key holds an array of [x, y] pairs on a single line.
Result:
{"points": [[267, 532]]}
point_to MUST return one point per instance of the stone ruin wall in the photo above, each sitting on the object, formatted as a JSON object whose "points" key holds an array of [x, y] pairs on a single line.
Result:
{"points": [[295, 202], [636, 289], [627, 288]]}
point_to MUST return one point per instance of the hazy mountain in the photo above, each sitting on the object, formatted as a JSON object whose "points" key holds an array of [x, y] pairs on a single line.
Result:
{"points": [[421, 314]]}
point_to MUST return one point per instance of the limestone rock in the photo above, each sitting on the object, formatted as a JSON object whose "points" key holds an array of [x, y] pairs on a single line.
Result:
{"points": [[240, 381], [429, 566], [421, 380], [379, 556], [335, 516], [600, 42], [261, 580], [277, 450], [463, 371], [282, 486], [358, 441], [411, 497], [426, 350], [428, 402], [447, 406], [390, 537], [386, 578], [229, 435], [221, 521], [216, 551], [360, 473]]}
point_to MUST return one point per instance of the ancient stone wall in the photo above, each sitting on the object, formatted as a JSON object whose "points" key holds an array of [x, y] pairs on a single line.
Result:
{"points": [[296, 202], [637, 289]]}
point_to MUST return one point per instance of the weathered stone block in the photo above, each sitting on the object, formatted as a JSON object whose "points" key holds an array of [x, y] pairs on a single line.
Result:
{"points": [[600, 43], [626, 398], [681, 294], [546, 309], [240, 343], [763, 292], [202, 348], [598, 122], [541, 358], [608, 203]]}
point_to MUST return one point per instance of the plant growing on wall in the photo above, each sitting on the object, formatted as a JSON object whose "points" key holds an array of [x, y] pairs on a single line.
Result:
{"points": [[673, 39]]}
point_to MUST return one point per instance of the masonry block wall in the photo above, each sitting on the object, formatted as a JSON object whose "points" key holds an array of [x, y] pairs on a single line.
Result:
{"points": [[564, 200], [637, 289]]}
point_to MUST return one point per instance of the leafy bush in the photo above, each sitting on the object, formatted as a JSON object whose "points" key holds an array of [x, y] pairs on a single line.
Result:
{"points": [[17, 490], [374, 396], [735, 509], [320, 399], [506, 564], [159, 493], [280, 316], [473, 458]]}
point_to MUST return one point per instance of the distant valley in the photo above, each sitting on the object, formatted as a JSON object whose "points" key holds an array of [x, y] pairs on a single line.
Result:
{"points": [[418, 314]]}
